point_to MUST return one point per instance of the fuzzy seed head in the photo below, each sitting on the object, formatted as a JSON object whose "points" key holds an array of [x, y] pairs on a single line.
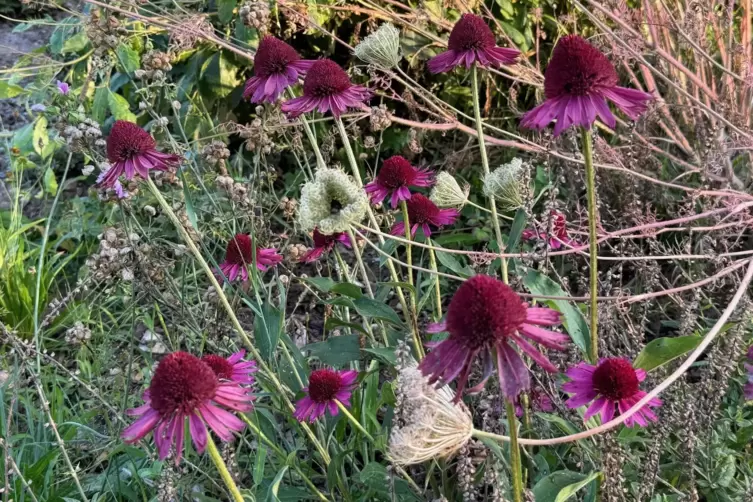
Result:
{"points": [[381, 48], [332, 202], [504, 184], [447, 192]]}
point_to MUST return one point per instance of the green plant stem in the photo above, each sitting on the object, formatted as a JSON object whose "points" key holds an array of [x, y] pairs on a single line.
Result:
{"points": [[409, 258], [359, 260], [372, 219], [592, 244], [437, 289], [485, 165], [264, 369], [312, 138], [353, 421], [214, 454]]}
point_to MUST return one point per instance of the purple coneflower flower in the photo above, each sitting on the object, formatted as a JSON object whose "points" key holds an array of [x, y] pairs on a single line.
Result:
{"points": [[63, 87], [612, 385], [233, 368], [131, 150], [487, 318], [276, 66], [325, 387], [748, 388], [183, 387], [394, 178], [422, 212], [577, 84], [324, 244], [471, 41], [326, 88], [559, 235], [240, 253]]}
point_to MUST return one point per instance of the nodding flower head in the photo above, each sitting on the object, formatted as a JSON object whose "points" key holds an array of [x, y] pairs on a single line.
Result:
{"points": [[326, 88], [332, 202], [240, 253], [471, 41], [394, 178], [577, 84], [324, 243], [422, 212], [448, 193], [505, 185], [276, 67]]}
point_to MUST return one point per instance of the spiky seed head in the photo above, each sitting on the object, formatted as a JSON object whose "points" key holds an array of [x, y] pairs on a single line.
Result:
{"points": [[332, 202], [381, 48], [504, 184]]}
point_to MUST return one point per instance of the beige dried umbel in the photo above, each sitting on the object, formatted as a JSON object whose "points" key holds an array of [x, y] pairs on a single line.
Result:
{"points": [[429, 424]]}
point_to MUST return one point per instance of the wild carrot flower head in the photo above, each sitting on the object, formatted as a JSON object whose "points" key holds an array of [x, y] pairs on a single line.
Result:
{"points": [[504, 184], [471, 41], [276, 67], [381, 48], [421, 213], [487, 318], [131, 150], [577, 84], [332, 202], [240, 253], [233, 368], [612, 385], [428, 424], [326, 88], [183, 387], [447, 191], [324, 244], [325, 387], [394, 178]]}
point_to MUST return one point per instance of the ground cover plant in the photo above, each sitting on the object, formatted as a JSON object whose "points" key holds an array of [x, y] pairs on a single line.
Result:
{"points": [[378, 250]]}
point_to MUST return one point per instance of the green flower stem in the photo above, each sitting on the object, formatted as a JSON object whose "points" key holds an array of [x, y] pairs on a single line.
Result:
{"points": [[409, 258], [437, 290], [353, 421], [214, 454], [359, 260], [372, 219], [588, 158], [311, 136], [485, 164], [264, 369]]}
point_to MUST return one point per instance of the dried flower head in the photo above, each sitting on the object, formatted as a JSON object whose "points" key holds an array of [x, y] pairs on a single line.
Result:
{"points": [[381, 48], [332, 202], [448, 193], [431, 425], [326, 88], [504, 185]]}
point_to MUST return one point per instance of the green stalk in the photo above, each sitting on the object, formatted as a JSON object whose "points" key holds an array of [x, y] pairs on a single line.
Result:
{"points": [[485, 164], [515, 461], [409, 258], [263, 368], [353, 421], [437, 290], [214, 454], [592, 244], [359, 260], [312, 138]]}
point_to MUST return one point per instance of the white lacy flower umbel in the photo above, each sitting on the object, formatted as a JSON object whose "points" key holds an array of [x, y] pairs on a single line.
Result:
{"points": [[503, 184], [332, 202]]}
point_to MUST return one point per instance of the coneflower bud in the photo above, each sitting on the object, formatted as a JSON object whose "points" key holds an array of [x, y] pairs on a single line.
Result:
{"points": [[504, 185], [332, 202], [381, 48], [448, 193], [432, 426]]}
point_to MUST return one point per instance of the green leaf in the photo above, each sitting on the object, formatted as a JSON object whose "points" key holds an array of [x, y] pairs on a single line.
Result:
{"points": [[75, 43], [63, 31], [40, 138], [50, 182], [347, 289], [567, 492], [225, 10], [372, 308], [385, 353], [724, 472], [549, 487], [659, 352], [336, 351], [518, 225], [450, 261], [334, 323], [128, 57], [9, 90], [100, 104], [274, 488], [219, 75], [402, 285], [119, 107], [259, 461], [267, 329], [324, 284], [573, 320]]}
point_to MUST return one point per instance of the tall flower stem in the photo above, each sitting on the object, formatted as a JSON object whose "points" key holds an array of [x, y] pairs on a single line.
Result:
{"points": [[214, 454], [592, 244], [362, 268], [515, 460], [372, 219], [409, 258], [311, 136], [353, 421], [264, 369], [437, 290], [485, 165]]}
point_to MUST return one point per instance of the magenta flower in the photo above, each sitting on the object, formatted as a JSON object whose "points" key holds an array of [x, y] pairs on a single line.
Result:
{"points": [[559, 235], [233, 369], [394, 178], [131, 150], [324, 244], [471, 41], [577, 84], [748, 388], [276, 67], [240, 253], [325, 387], [421, 213], [326, 88], [487, 318], [183, 387], [63, 87], [612, 385]]}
